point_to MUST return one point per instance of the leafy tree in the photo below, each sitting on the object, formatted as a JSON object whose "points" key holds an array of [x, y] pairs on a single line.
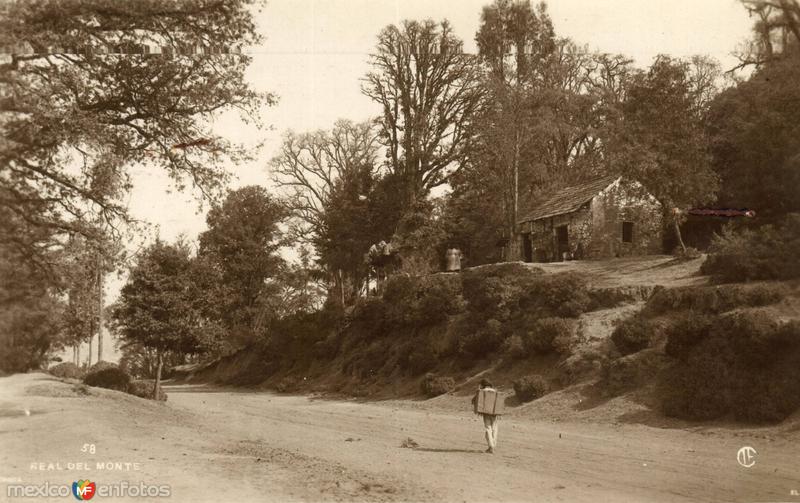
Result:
{"points": [[30, 307], [160, 306], [242, 244], [756, 140], [429, 92], [515, 43], [661, 141], [311, 165], [338, 200], [74, 117]]}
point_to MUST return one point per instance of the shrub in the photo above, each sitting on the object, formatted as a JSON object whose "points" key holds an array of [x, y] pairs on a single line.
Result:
{"points": [[632, 370], [514, 348], [547, 335], [747, 365], [685, 332], [421, 358], [369, 318], [66, 370], [101, 365], [607, 298], [697, 391], [421, 301], [110, 378], [633, 334], [144, 389], [768, 252], [715, 299], [530, 387], [482, 342], [434, 385], [496, 291], [564, 295]]}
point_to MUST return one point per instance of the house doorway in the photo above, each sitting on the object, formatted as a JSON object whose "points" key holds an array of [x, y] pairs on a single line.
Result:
{"points": [[562, 242], [527, 248]]}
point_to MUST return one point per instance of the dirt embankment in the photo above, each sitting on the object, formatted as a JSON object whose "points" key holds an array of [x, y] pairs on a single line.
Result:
{"points": [[625, 282]]}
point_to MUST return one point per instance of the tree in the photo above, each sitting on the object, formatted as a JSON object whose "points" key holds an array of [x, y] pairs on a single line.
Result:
{"points": [[79, 107], [336, 200], [515, 43], [755, 140], [160, 306], [30, 307], [310, 165], [777, 29], [242, 244], [661, 141], [429, 92]]}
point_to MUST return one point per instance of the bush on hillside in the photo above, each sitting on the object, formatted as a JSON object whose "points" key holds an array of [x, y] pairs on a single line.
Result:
{"points": [[714, 299], [109, 377], [633, 334], [685, 332], [369, 318], [66, 370], [421, 301], [607, 298], [547, 335], [514, 348], [482, 342], [769, 252], [434, 385], [564, 294], [530, 387], [421, 357], [496, 291], [101, 365], [144, 389], [747, 365], [632, 370]]}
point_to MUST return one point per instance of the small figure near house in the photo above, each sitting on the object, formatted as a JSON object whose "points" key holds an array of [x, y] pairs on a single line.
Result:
{"points": [[488, 402], [453, 258]]}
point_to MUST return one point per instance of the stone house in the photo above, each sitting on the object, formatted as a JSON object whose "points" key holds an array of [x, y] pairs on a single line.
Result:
{"points": [[602, 218]]}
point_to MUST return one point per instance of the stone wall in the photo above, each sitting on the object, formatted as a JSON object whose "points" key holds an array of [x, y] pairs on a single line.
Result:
{"points": [[595, 230]]}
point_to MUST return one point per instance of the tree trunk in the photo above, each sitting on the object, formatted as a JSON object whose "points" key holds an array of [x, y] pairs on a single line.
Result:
{"points": [[91, 337], [514, 247], [99, 314], [341, 287], [157, 386], [678, 233], [78, 354]]}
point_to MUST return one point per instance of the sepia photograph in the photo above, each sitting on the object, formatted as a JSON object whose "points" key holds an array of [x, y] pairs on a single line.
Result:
{"points": [[400, 251]]}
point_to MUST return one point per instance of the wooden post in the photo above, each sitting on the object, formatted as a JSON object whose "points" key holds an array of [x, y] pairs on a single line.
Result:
{"points": [[99, 312], [157, 386]]}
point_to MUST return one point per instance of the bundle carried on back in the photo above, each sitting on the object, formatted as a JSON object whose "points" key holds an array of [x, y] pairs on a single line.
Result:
{"points": [[490, 401]]}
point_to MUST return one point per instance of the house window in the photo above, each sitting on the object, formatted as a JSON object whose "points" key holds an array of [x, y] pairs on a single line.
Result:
{"points": [[627, 232]]}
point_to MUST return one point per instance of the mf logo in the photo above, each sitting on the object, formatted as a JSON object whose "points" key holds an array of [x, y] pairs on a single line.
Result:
{"points": [[83, 490], [746, 456]]}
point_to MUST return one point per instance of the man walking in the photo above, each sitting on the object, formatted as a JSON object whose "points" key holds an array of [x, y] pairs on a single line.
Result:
{"points": [[490, 421]]}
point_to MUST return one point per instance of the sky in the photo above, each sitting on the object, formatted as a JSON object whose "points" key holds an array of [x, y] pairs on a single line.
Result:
{"points": [[316, 52]]}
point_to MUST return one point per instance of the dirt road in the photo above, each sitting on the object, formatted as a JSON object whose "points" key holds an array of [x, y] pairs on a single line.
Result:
{"points": [[216, 444]]}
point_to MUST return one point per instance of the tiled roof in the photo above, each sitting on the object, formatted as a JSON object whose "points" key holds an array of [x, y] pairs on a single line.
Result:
{"points": [[568, 199]]}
